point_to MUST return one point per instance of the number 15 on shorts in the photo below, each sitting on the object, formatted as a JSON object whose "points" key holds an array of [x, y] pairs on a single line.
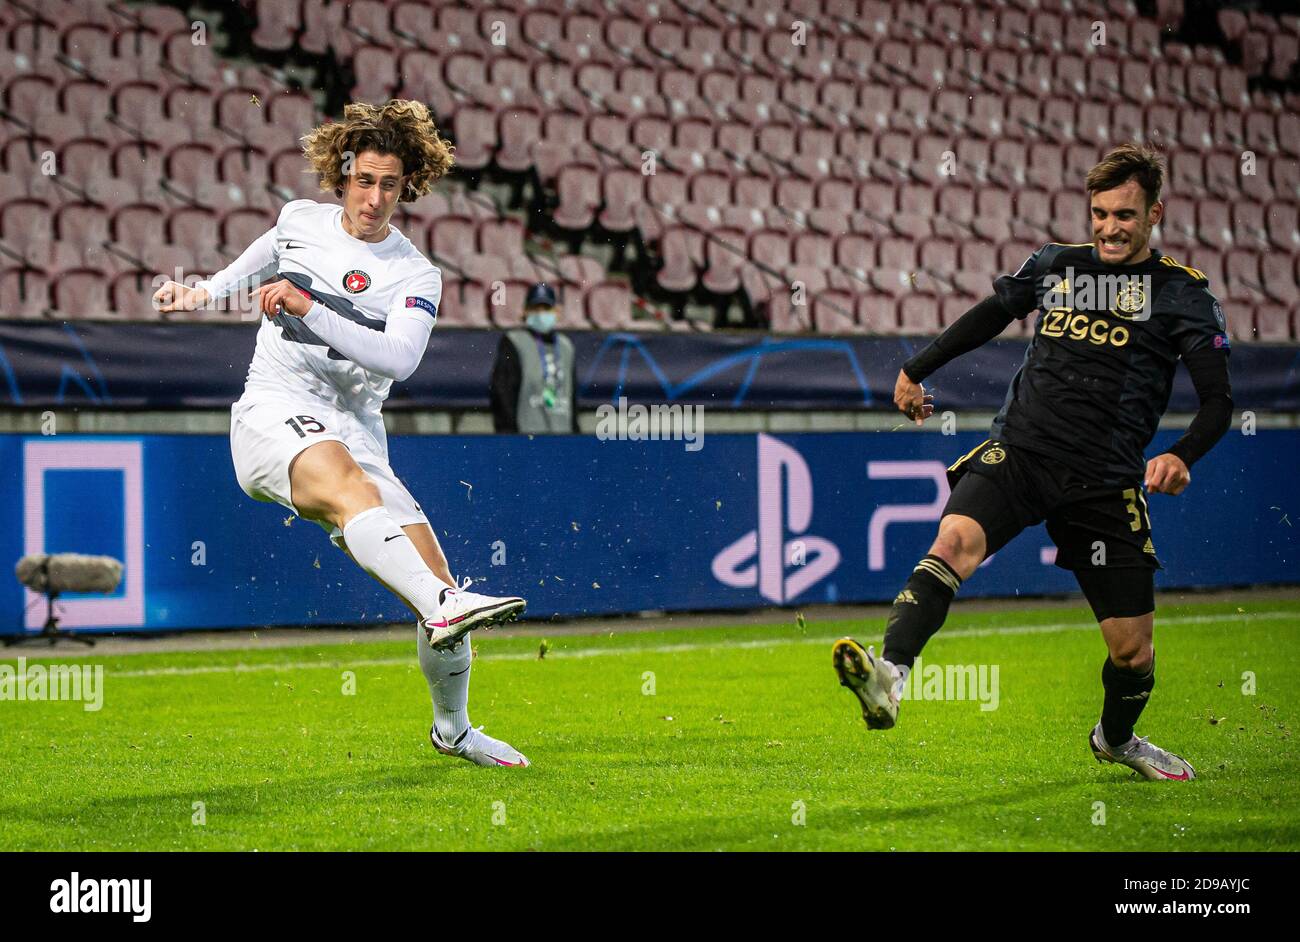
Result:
{"points": [[302, 424]]}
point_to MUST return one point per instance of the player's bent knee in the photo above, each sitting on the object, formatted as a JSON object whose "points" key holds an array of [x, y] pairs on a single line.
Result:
{"points": [[1129, 651], [960, 543]]}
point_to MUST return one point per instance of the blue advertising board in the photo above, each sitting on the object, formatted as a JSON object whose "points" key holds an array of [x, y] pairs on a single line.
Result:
{"points": [[581, 526], [115, 365]]}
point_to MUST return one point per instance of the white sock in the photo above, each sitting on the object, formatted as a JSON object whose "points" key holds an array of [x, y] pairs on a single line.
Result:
{"points": [[900, 685], [383, 550], [447, 673]]}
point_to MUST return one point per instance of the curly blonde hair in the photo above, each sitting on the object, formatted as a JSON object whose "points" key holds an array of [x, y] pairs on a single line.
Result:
{"points": [[402, 128]]}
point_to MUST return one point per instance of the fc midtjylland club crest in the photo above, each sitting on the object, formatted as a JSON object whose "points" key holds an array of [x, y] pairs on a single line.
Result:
{"points": [[356, 281], [1131, 300]]}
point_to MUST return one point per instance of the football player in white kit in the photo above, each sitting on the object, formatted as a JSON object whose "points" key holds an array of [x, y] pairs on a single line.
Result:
{"points": [[348, 304]]}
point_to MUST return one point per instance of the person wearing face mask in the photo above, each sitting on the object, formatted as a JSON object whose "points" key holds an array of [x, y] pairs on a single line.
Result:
{"points": [[533, 388]]}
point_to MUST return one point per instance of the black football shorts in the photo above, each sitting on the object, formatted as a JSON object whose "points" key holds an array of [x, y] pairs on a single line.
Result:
{"points": [[1095, 527]]}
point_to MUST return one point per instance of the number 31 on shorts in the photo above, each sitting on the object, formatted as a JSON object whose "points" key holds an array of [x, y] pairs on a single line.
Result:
{"points": [[302, 424], [1134, 497]]}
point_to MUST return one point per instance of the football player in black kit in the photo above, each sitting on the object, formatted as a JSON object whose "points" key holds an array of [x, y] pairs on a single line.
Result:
{"points": [[1113, 318]]}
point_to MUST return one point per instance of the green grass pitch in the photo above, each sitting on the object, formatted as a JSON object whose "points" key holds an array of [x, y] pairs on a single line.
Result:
{"points": [[747, 742]]}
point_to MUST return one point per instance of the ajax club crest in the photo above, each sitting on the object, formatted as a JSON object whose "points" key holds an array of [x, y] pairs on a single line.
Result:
{"points": [[1130, 300]]}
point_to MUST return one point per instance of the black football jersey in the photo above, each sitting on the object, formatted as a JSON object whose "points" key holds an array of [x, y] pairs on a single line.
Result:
{"points": [[1100, 368]]}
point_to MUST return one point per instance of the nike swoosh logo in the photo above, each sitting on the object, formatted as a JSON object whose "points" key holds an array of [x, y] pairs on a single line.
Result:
{"points": [[457, 673], [388, 538], [293, 245]]}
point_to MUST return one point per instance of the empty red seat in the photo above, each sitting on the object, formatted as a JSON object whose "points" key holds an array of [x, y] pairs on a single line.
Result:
{"points": [[1278, 279], [1283, 228], [476, 137], [24, 293], [1272, 324], [452, 237], [876, 314], [579, 197], [919, 314], [464, 304], [1212, 226], [1242, 270], [724, 253], [833, 312], [682, 250], [81, 294], [609, 306]]}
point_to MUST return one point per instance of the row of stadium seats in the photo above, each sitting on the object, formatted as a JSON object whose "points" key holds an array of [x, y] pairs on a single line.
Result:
{"points": [[748, 27], [602, 305], [785, 164], [1266, 45], [91, 294], [1254, 246]]}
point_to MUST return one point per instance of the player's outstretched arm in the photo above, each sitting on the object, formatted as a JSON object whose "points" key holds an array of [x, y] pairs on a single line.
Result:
{"points": [[393, 352], [973, 329], [1170, 473], [256, 262], [174, 296]]}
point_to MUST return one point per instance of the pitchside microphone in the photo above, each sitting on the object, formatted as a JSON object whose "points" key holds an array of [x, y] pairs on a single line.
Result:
{"points": [[64, 572]]}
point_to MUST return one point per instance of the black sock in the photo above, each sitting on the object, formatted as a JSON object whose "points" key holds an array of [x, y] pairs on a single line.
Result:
{"points": [[1127, 693], [919, 610]]}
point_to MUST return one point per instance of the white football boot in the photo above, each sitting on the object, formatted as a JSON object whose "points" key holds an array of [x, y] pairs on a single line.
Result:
{"points": [[480, 748], [461, 611], [1145, 758], [876, 682]]}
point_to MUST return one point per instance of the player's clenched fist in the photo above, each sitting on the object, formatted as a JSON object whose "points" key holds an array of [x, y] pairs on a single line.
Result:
{"points": [[174, 296], [282, 297], [911, 399], [1166, 474]]}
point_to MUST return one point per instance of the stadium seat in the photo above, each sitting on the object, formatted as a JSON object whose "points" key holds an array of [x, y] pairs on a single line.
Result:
{"points": [[1212, 226], [80, 294], [476, 137], [517, 130], [278, 24], [609, 306], [787, 313], [833, 312], [1272, 324], [682, 250], [724, 252], [877, 314], [452, 237], [1278, 279], [1244, 281], [1283, 228], [463, 305], [919, 314], [578, 188], [132, 296], [24, 293]]}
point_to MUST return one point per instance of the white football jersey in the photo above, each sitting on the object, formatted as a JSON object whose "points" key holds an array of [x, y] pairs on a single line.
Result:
{"points": [[366, 282]]}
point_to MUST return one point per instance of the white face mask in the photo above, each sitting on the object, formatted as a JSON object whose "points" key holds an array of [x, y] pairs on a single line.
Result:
{"points": [[541, 321]]}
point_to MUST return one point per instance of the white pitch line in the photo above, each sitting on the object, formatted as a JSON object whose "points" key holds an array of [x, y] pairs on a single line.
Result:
{"points": [[579, 653]]}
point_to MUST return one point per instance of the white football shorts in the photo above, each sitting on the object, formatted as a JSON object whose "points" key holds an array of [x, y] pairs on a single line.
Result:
{"points": [[266, 435]]}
